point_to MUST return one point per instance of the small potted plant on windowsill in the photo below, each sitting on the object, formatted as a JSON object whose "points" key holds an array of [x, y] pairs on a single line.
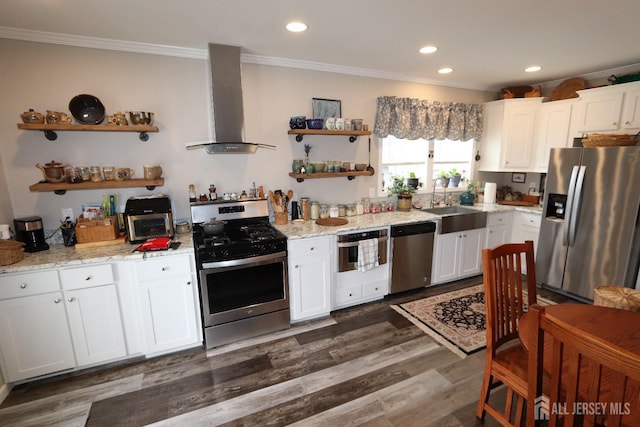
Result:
{"points": [[403, 191], [468, 196], [454, 177], [443, 179], [412, 181]]}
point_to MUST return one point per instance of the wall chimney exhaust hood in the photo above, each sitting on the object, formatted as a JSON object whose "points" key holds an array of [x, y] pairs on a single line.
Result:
{"points": [[227, 108]]}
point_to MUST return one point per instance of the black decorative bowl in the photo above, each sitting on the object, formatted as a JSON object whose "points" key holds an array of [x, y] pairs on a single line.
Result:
{"points": [[298, 122], [315, 123], [87, 109]]}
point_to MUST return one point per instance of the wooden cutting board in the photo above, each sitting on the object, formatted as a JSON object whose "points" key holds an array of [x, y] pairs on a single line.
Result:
{"points": [[514, 203], [331, 221], [119, 241]]}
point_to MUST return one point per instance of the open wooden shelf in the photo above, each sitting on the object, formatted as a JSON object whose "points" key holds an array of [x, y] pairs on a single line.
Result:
{"points": [[349, 174], [50, 129], [62, 187], [352, 134]]}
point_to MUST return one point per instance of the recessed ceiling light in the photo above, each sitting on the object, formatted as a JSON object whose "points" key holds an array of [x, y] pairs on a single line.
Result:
{"points": [[296, 27], [533, 69], [445, 70], [428, 49]]}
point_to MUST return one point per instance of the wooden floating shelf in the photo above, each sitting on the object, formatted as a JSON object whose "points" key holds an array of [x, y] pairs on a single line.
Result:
{"points": [[352, 134], [50, 129], [350, 175], [62, 187]]}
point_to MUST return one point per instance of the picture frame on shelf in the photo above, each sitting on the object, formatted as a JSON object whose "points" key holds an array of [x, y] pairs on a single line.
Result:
{"points": [[518, 177], [323, 108]]}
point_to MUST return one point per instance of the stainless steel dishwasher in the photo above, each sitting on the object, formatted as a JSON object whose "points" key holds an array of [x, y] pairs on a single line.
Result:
{"points": [[412, 253]]}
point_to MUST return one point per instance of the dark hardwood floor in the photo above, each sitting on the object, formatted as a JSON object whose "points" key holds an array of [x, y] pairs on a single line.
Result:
{"points": [[365, 365]]}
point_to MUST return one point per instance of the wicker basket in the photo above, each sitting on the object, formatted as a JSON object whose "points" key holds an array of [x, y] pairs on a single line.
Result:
{"points": [[609, 140], [96, 230], [10, 252], [617, 297]]}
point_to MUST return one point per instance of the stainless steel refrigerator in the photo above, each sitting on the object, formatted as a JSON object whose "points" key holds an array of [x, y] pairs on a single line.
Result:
{"points": [[590, 231]]}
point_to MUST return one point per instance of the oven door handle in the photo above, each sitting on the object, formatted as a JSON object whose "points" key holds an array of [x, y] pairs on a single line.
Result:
{"points": [[354, 244], [243, 261]]}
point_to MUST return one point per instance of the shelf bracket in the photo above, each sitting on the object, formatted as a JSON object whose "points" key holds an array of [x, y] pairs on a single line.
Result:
{"points": [[144, 136], [50, 135], [60, 192], [299, 137], [300, 179], [351, 177], [151, 187], [353, 138]]}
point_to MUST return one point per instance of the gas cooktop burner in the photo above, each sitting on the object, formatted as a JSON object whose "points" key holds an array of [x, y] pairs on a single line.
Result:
{"points": [[216, 241]]}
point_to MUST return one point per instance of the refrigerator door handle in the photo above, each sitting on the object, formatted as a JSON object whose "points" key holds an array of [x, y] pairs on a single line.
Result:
{"points": [[568, 209], [576, 205]]}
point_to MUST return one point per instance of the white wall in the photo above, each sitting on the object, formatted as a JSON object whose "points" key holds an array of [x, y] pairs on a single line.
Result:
{"points": [[45, 77]]}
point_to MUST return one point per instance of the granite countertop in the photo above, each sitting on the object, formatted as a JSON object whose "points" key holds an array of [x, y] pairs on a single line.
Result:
{"points": [[383, 219], [59, 255]]}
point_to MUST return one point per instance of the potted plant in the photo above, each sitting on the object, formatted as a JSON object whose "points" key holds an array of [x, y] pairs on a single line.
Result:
{"points": [[443, 178], [454, 177], [412, 181], [403, 191], [468, 196]]}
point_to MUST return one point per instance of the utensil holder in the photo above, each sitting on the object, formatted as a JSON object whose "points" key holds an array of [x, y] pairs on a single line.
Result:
{"points": [[281, 217]]}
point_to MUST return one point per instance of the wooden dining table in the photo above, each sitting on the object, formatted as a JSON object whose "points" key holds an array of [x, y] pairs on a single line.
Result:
{"points": [[619, 327]]}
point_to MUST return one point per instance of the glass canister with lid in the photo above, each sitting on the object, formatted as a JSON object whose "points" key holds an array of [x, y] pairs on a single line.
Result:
{"points": [[334, 211], [314, 210], [351, 209], [324, 211]]}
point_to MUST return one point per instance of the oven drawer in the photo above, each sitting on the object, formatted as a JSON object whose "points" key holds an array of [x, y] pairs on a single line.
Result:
{"points": [[162, 267], [85, 277]]}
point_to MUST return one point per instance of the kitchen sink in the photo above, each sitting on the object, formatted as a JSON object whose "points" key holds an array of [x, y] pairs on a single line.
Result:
{"points": [[454, 219]]}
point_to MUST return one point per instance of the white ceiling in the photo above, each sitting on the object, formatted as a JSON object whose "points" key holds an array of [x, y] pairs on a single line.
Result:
{"points": [[488, 42]]}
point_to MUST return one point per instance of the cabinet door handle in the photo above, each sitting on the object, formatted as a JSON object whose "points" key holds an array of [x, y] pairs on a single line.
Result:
{"points": [[627, 123], [57, 300], [88, 278], [615, 123], [189, 283], [312, 248], [296, 266], [23, 286], [71, 299], [164, 268]]}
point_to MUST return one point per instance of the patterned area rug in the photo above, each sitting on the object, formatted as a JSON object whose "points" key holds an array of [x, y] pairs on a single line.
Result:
{"points": [[455, 319]]}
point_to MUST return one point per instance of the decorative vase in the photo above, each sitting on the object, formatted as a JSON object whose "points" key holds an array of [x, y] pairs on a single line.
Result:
{"points": [[467, 198], [404, 202], [455, 180]]}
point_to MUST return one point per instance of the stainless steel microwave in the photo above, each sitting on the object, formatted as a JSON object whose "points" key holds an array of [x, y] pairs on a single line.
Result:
{"points": [[147, 217]]}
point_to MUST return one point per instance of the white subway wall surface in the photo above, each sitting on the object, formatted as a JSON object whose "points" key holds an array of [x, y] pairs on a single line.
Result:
{"points": [[46, 76]]}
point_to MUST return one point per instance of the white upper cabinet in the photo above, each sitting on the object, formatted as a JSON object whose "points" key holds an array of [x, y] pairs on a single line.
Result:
{"points": [[552, 130], [612, 109], [507, 141]]}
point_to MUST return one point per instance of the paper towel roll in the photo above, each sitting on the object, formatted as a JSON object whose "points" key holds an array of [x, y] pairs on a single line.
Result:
{"points": [[490, 193]]}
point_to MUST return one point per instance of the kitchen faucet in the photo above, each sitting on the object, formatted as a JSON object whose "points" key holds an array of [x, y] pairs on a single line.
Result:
{"points": [[433, 192]]}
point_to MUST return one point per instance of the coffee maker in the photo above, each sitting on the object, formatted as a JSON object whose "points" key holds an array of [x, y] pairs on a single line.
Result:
{"points": [[30, 232]]}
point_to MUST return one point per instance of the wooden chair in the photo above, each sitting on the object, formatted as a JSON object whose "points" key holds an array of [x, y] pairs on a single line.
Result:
{"points": [[505, 301], [592, 382]]}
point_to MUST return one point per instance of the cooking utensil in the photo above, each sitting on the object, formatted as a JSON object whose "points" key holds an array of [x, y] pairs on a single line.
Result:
{"points": [[87, 109], [213, 227], [369, 168]]}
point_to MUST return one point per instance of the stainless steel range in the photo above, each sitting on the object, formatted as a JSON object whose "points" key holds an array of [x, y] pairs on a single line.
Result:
{"points": [[242, 272]]}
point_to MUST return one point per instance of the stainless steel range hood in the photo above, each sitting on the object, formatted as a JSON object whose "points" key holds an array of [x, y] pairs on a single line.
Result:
{"points": [[227, 108]]}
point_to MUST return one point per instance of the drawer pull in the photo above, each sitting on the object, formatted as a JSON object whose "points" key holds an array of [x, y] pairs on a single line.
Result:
{"points": [[57, 300], [88, 278], [23, 286], [189, 283], [164, 268], [71, 299], [311, 248]]}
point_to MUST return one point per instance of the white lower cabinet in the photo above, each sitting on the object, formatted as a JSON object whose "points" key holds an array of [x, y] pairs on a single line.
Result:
{"points": [[169, 303], [526, 226], [458, 255], [498, 228], [91, 300], [310, 277]]}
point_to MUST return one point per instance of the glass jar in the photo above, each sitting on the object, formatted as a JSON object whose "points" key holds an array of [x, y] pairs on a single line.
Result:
{"points": [[375, 208], [324, 211], [366, 205], [305, 206], [359, 208], [73, 175], [315, 211], [351, 209], [96, 174], [334, 211], [85, 173], [342, 210]]}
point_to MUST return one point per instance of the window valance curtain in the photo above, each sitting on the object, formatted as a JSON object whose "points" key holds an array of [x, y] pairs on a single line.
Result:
{"points": [[408, 118]]}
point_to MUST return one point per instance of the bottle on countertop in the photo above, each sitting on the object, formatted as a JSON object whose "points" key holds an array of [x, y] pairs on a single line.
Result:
{"points": [[212, 192], [192, 193]]}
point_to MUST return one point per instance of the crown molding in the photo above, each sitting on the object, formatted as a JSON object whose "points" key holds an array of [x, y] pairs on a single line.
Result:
{"points": [[203, 54]]}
